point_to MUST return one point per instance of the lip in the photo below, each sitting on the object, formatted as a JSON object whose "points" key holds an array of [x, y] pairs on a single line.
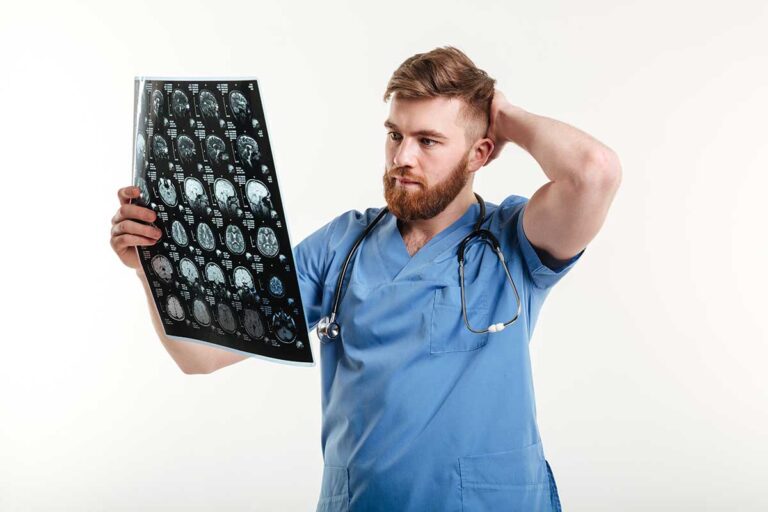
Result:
{"points": [[403, 181]]}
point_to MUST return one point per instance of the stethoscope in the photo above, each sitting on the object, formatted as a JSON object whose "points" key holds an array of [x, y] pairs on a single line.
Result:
{"points": [[328, 328]]}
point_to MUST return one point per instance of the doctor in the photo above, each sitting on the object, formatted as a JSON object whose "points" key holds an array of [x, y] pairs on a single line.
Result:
{"points": [[419, 413]]}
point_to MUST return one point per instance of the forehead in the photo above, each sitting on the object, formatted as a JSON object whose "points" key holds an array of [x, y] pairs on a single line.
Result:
{"points": [[414, 115]]}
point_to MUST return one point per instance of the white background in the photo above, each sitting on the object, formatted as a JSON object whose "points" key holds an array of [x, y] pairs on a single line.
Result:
{"points": [[649, 357]]}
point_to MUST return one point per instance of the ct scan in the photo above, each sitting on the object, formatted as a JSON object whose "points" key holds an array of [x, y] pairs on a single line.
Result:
{"points": [[223, 271]]}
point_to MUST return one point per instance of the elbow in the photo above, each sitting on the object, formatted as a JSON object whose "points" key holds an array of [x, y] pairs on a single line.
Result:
{"points": [[194, 370], [601, 170]]}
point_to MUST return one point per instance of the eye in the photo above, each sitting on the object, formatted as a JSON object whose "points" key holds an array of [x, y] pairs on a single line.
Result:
{"points": [[430, 140], [393, 135]]}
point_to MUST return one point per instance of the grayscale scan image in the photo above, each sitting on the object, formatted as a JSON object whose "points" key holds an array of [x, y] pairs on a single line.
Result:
{"points": [[223, 272]]}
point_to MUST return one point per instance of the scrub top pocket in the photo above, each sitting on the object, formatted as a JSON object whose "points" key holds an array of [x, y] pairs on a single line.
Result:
{"points": [[513, 481], [448, 332]]}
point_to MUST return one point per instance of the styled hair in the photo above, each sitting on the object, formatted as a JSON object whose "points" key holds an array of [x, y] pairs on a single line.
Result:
{"points": [[446, 71]]}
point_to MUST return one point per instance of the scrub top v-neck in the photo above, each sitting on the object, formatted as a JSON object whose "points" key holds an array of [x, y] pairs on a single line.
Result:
{"points": [[418, 413]]}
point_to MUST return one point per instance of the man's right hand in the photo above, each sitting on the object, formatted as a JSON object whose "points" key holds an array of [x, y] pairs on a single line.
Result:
{"points": [[127, 233]]}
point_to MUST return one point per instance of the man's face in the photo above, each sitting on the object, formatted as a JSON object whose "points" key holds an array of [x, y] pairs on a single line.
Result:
{"points": [[426, 157]]}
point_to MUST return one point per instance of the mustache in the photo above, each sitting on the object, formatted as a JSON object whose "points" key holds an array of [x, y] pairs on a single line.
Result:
{"points": [[402, 172]]}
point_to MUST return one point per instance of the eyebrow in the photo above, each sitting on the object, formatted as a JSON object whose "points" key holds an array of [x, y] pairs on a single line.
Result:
{"points": [[427, 133]]}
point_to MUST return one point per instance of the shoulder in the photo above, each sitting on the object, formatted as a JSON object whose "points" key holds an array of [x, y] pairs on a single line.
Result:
{"points": [[333, 238]]}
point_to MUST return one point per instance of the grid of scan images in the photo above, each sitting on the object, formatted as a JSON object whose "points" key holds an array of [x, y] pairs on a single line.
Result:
{"points": [[223, 271]]}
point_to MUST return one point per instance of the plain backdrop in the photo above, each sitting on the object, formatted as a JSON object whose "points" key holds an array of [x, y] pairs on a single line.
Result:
{"points": [[649, 357]]}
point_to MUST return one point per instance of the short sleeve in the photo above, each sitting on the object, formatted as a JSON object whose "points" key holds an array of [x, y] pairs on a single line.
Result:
{"points": [[542, 276], [311, 257]]}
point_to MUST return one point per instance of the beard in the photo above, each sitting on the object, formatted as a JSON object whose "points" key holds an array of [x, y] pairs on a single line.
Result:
{"points": [[423, 203]]}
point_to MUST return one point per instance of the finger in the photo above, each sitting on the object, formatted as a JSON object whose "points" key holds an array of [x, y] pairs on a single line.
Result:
{"points": [[125, 194], [134, 212], [124, 241], [134, 228]]}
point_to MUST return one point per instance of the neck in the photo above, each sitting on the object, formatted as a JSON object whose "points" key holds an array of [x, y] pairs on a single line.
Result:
{"points": [[422, 230]]}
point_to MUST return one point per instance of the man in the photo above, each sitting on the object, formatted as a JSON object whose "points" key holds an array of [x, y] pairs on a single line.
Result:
{"points": [[419, 413]]}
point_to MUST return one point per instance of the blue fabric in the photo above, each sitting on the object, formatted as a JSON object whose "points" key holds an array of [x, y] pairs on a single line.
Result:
{"points": [[418, 413]]}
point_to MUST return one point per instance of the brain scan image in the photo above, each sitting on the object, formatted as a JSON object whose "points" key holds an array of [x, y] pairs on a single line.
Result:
{"points": [[167, 191], [284, 327], [159, 148], [258, 199], [243, 278], [266, 242], [196, 196], [221, 272], [226, 318], [234, 239], [226, 197], [240, 108], [144, 197], [276, 286], [181, 108], [187, 151], [188, 270], [141, 154], [174, 308], [248, 150], [214, 274], [162, 267], [209, 108], [179, 234], [158, 108], [205, 237], [253, 323], [201, 312], [216, 149]]}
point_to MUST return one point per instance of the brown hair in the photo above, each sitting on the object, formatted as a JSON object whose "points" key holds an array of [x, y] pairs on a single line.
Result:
{"points": [[447, 71]]}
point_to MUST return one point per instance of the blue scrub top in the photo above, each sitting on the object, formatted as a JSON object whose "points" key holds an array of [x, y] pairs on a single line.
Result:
{"points": [[419, 413]]}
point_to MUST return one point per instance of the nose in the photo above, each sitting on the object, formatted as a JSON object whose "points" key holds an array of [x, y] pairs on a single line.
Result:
{"points": [[405, 155]]}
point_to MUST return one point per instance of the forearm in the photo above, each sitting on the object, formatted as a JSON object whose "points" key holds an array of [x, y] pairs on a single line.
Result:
{"points": [[564, 152], [189, 356]]}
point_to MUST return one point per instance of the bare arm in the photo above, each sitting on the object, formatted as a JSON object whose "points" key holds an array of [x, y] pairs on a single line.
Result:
{"points": [[564, 215], [192, 358]]}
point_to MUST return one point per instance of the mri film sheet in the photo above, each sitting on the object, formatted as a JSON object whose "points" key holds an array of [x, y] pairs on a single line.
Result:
{"points": [[223, 271]]}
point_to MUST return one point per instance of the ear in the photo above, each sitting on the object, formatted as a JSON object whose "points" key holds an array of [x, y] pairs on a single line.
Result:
{"points": [[479, 153]]}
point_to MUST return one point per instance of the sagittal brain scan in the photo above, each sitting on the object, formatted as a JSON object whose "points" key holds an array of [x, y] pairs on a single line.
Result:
{"points": [[248, 151], [258, 199], [217, 150], [194, 191], [226, 198], [181, 107], [243, 278], [214, 274], [187, 150], [223, 271]]}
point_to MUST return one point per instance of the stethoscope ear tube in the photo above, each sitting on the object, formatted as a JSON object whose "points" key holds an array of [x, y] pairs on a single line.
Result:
{"points": [[327, 328]]}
